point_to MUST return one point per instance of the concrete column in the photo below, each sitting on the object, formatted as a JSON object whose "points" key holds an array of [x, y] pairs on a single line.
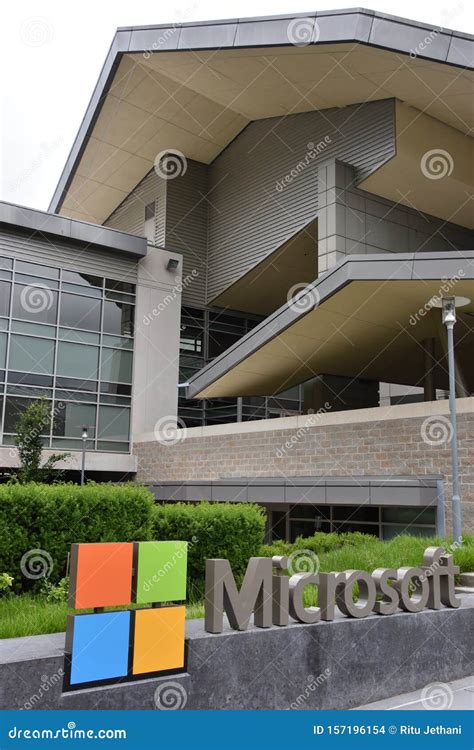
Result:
{"points": [[157, 325]]}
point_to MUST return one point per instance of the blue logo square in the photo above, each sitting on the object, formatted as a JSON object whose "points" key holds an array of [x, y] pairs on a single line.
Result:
{"points": [[100, 646]]}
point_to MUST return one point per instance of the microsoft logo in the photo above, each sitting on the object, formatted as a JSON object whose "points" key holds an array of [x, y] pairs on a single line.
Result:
{"points": [[107, 646]]}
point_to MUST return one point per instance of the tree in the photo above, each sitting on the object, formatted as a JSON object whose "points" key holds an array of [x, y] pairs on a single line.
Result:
{"points": [[32, 423]]}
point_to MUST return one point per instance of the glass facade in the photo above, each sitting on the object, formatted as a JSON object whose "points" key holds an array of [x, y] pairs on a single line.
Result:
{"points": [[204, 335], [382, 522], [69, 337]]}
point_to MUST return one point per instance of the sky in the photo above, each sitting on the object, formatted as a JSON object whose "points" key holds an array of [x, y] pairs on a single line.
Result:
{"points": [[52, 52]]}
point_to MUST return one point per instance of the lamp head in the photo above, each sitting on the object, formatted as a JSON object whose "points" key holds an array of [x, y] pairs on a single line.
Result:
{"points": [[85, 434]]}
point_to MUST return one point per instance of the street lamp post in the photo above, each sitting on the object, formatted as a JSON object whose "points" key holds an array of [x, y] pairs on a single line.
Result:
{"points": [[448, 307], [83, 463]]}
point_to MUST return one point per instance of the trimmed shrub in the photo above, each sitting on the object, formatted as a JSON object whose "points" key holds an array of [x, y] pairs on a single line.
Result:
{"points": [[213, 530], [50, 518]]}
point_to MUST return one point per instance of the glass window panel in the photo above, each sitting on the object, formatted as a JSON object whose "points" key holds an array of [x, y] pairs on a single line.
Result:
{"points": [[409, 515], [35, 302], [36, 269], [364, 528], [65, 395], [116, 365], [117, 342], [81, 337], [191, 339], [102, 445], [6, 263], [5, 274], [31, 354], [30, 391], [118, 318], [119, 297], [35, 329], [120, 400], [5, 292], [311, 512], [120, 286], [83, 278], [22, 278], [3, 324], [24, 378], [89, 291], [116, 388], [3, 349], [70, 444], [114, 422], [389, 532], [69, 418], [14, 406], [77, 360], [79, 312], [75, 383], [356, 513]]}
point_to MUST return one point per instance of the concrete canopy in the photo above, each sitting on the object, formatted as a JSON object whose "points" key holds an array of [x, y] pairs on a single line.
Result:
{"points": [[194, 87], [366, 318]]}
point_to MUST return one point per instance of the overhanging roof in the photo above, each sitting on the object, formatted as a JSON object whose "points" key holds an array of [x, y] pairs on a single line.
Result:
{"points": [[194, 87], [365, 318], [52, 225]]}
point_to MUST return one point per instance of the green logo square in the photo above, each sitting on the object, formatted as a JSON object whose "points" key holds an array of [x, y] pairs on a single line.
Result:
{"points": [[161, 571]]}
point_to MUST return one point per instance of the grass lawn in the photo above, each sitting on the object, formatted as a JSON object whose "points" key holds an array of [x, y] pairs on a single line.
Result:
{"points": [[26, 614]]}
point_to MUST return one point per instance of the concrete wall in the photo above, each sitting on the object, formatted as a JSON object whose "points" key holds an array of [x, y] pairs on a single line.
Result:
{"points": [[391, 441], [328, 665], [354, 222], [157, 321]]}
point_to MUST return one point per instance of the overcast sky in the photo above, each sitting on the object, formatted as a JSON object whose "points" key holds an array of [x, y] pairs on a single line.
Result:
{"points": [[52, 51]]}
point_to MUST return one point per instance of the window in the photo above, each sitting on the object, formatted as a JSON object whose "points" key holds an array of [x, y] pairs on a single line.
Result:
{"points": [[78, 360], [36, 302], [31, 354], [114, 423], [79, 312], [118, 318], [5, 291], [116, 366], [69, 418], [14, 407]]}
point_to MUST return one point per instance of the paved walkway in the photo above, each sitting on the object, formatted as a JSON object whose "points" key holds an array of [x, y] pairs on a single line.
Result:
{"points": [[457, 695]]}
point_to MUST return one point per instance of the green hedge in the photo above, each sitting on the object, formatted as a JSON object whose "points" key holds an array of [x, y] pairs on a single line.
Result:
{"points": [[52, 517], [320, 543], [213, 530]]}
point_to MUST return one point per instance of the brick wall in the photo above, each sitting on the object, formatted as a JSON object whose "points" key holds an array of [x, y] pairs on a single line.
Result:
{"points": [[390, 447]]}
